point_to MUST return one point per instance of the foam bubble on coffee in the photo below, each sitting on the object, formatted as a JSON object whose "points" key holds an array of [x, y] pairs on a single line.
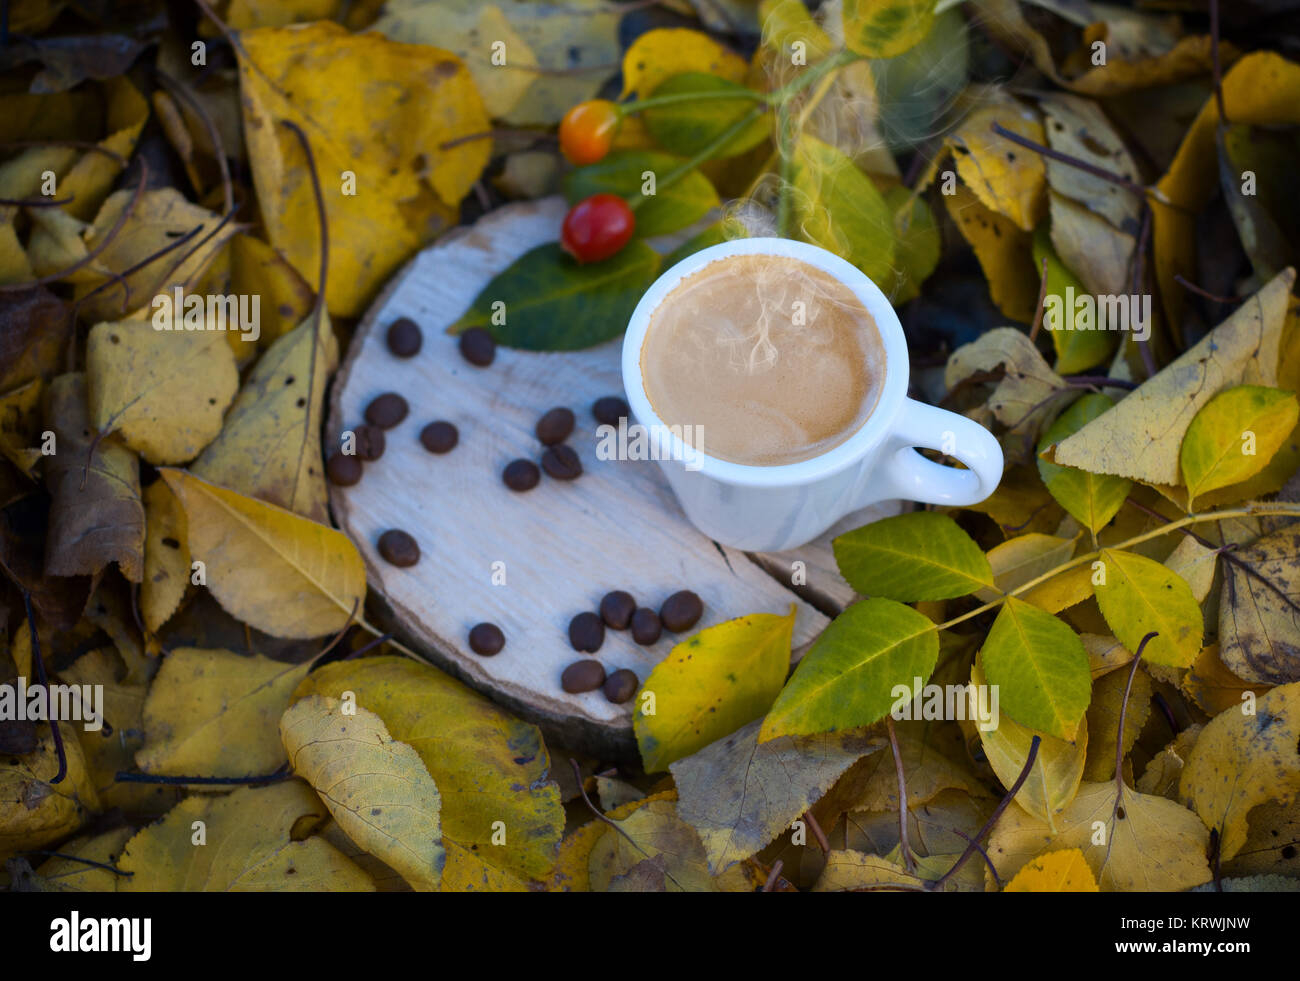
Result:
{"points": [[771, 359]]}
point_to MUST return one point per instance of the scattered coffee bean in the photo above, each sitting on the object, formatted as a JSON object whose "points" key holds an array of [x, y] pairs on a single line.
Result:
{"points": [[681, 611], [486, 639], [582, 676], [439, 437], [609, 410], [616, 609], [586, 632], [404, 338], [645, 626], [562, 463], [555, 426], [343, 470], [621, 686], [370, 443], [399, 548], [521, 475], [477, 347], [387, 410]]}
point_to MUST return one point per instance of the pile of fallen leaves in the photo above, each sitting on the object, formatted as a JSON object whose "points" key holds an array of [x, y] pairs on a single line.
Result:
{"points": [[1131, 591]]}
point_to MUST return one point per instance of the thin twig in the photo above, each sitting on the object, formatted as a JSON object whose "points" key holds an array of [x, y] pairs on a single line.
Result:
{"points": [[1065, 158], [1189, 285], [1098, 381], [904, 846], [773, 876], [822, 841], [1139, 269], [37, 202], [1119, 741], [152, 778], [84, 861], [178, 88], [1042, 298]]}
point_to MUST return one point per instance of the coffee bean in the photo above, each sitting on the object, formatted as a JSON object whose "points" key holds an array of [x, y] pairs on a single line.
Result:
{"points": [[486, 639], [404, 338], [370, 443], [399, 548], [439, 437], [681, 611], [582, 676], [343, 470], [477, 347], [609, 410], [387, 410], [621, 686], [616, 609], [521, 475], [555, 426], [586, 632], [645, 626], [562, 463]]}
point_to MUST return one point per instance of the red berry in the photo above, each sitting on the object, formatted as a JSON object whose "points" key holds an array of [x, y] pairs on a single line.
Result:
{"points": [[597, 227], [588, 129]]}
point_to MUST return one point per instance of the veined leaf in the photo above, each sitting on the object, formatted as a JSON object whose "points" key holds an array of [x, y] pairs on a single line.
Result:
{"points": [[922, 555], [687, 128], [1235, 435], [848, 676], [886, 28], [1061, 871], [662, 211], [1092, 499], [1139, 595]]}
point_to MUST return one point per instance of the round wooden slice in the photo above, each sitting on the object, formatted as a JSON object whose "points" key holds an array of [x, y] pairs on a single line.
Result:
{"points": [[528, 562]]}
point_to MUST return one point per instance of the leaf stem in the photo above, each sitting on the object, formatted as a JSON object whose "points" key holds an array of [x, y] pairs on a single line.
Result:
{"points": [[1251, 510], [677, 98], [686, 166]]}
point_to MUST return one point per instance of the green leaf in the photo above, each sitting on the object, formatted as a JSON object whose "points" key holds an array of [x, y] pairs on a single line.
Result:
{"points": [[838, 207], [921, 85], [1039, 667], [922, 555], [687, 128], [848, 676], [554, 304], [918, 246], [1092, 499], [885, 28], [684, 202], [1234, 436], [1076, 349], [710, 685], [1138, 595]]}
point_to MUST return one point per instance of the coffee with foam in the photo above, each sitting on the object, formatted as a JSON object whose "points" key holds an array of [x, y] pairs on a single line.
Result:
{"points": [[768, 359]]}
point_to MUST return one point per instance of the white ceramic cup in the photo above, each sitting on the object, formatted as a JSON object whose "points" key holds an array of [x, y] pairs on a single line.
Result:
{"points": [[769, 509]]}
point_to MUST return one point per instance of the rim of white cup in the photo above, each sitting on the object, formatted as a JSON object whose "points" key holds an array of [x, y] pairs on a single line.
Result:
{"points": [[845, 454]]}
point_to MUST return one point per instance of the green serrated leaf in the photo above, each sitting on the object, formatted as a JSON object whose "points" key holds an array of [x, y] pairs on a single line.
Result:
{"points": [[554, 304], [687, 128], [848, 676], [1092, 499], [886, 28], [1234, 436], [922, 555], [1079, 344], [1040, 669], [838, 207], [1139, 595], [682, 203]]}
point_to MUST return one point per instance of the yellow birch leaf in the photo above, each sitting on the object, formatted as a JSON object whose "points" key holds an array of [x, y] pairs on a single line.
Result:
{"points": [[1007, 179], [284, 298], [1142, 435], [1194, 564], [34, 811], [1139, 595], [488, 765], [166, 555], [213, 713], [91, 178], [252, 840], [278, 572], [570, 872], [269, 447], [163, 391], [658, 55], [1025, 557], [1211, 684], [649, 832], [848, 870], [1259, 630], [66, 874], [1234, 436], [1063, 871], [1244, 757], [376, 788], [1103, 720], [465, 871], [1004, 251], [375, 109], [886, 28], [711, 684], [20, 429]]}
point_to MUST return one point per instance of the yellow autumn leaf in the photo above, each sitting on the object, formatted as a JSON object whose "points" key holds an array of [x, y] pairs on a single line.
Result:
{"points": [[1004, 251], [269, 447], [20, 416], [1211, 684], [1025, 557], [213, 713], [1103, 720], [1245, 756], [63, 873], [489, 766], [252, 840], [376, 788], [1007, 179], [1062, 871], [712, 684], [1234, 436], [376, 110], [465, 871], [284, 298], [659, 54], [34, 811], [90, 179], [846, 871], [1138, 596], [276, 571], [162, 391], [166, 555]]}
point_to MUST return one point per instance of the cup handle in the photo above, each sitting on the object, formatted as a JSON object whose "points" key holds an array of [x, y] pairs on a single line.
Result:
{"points": [[910, 476]]}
